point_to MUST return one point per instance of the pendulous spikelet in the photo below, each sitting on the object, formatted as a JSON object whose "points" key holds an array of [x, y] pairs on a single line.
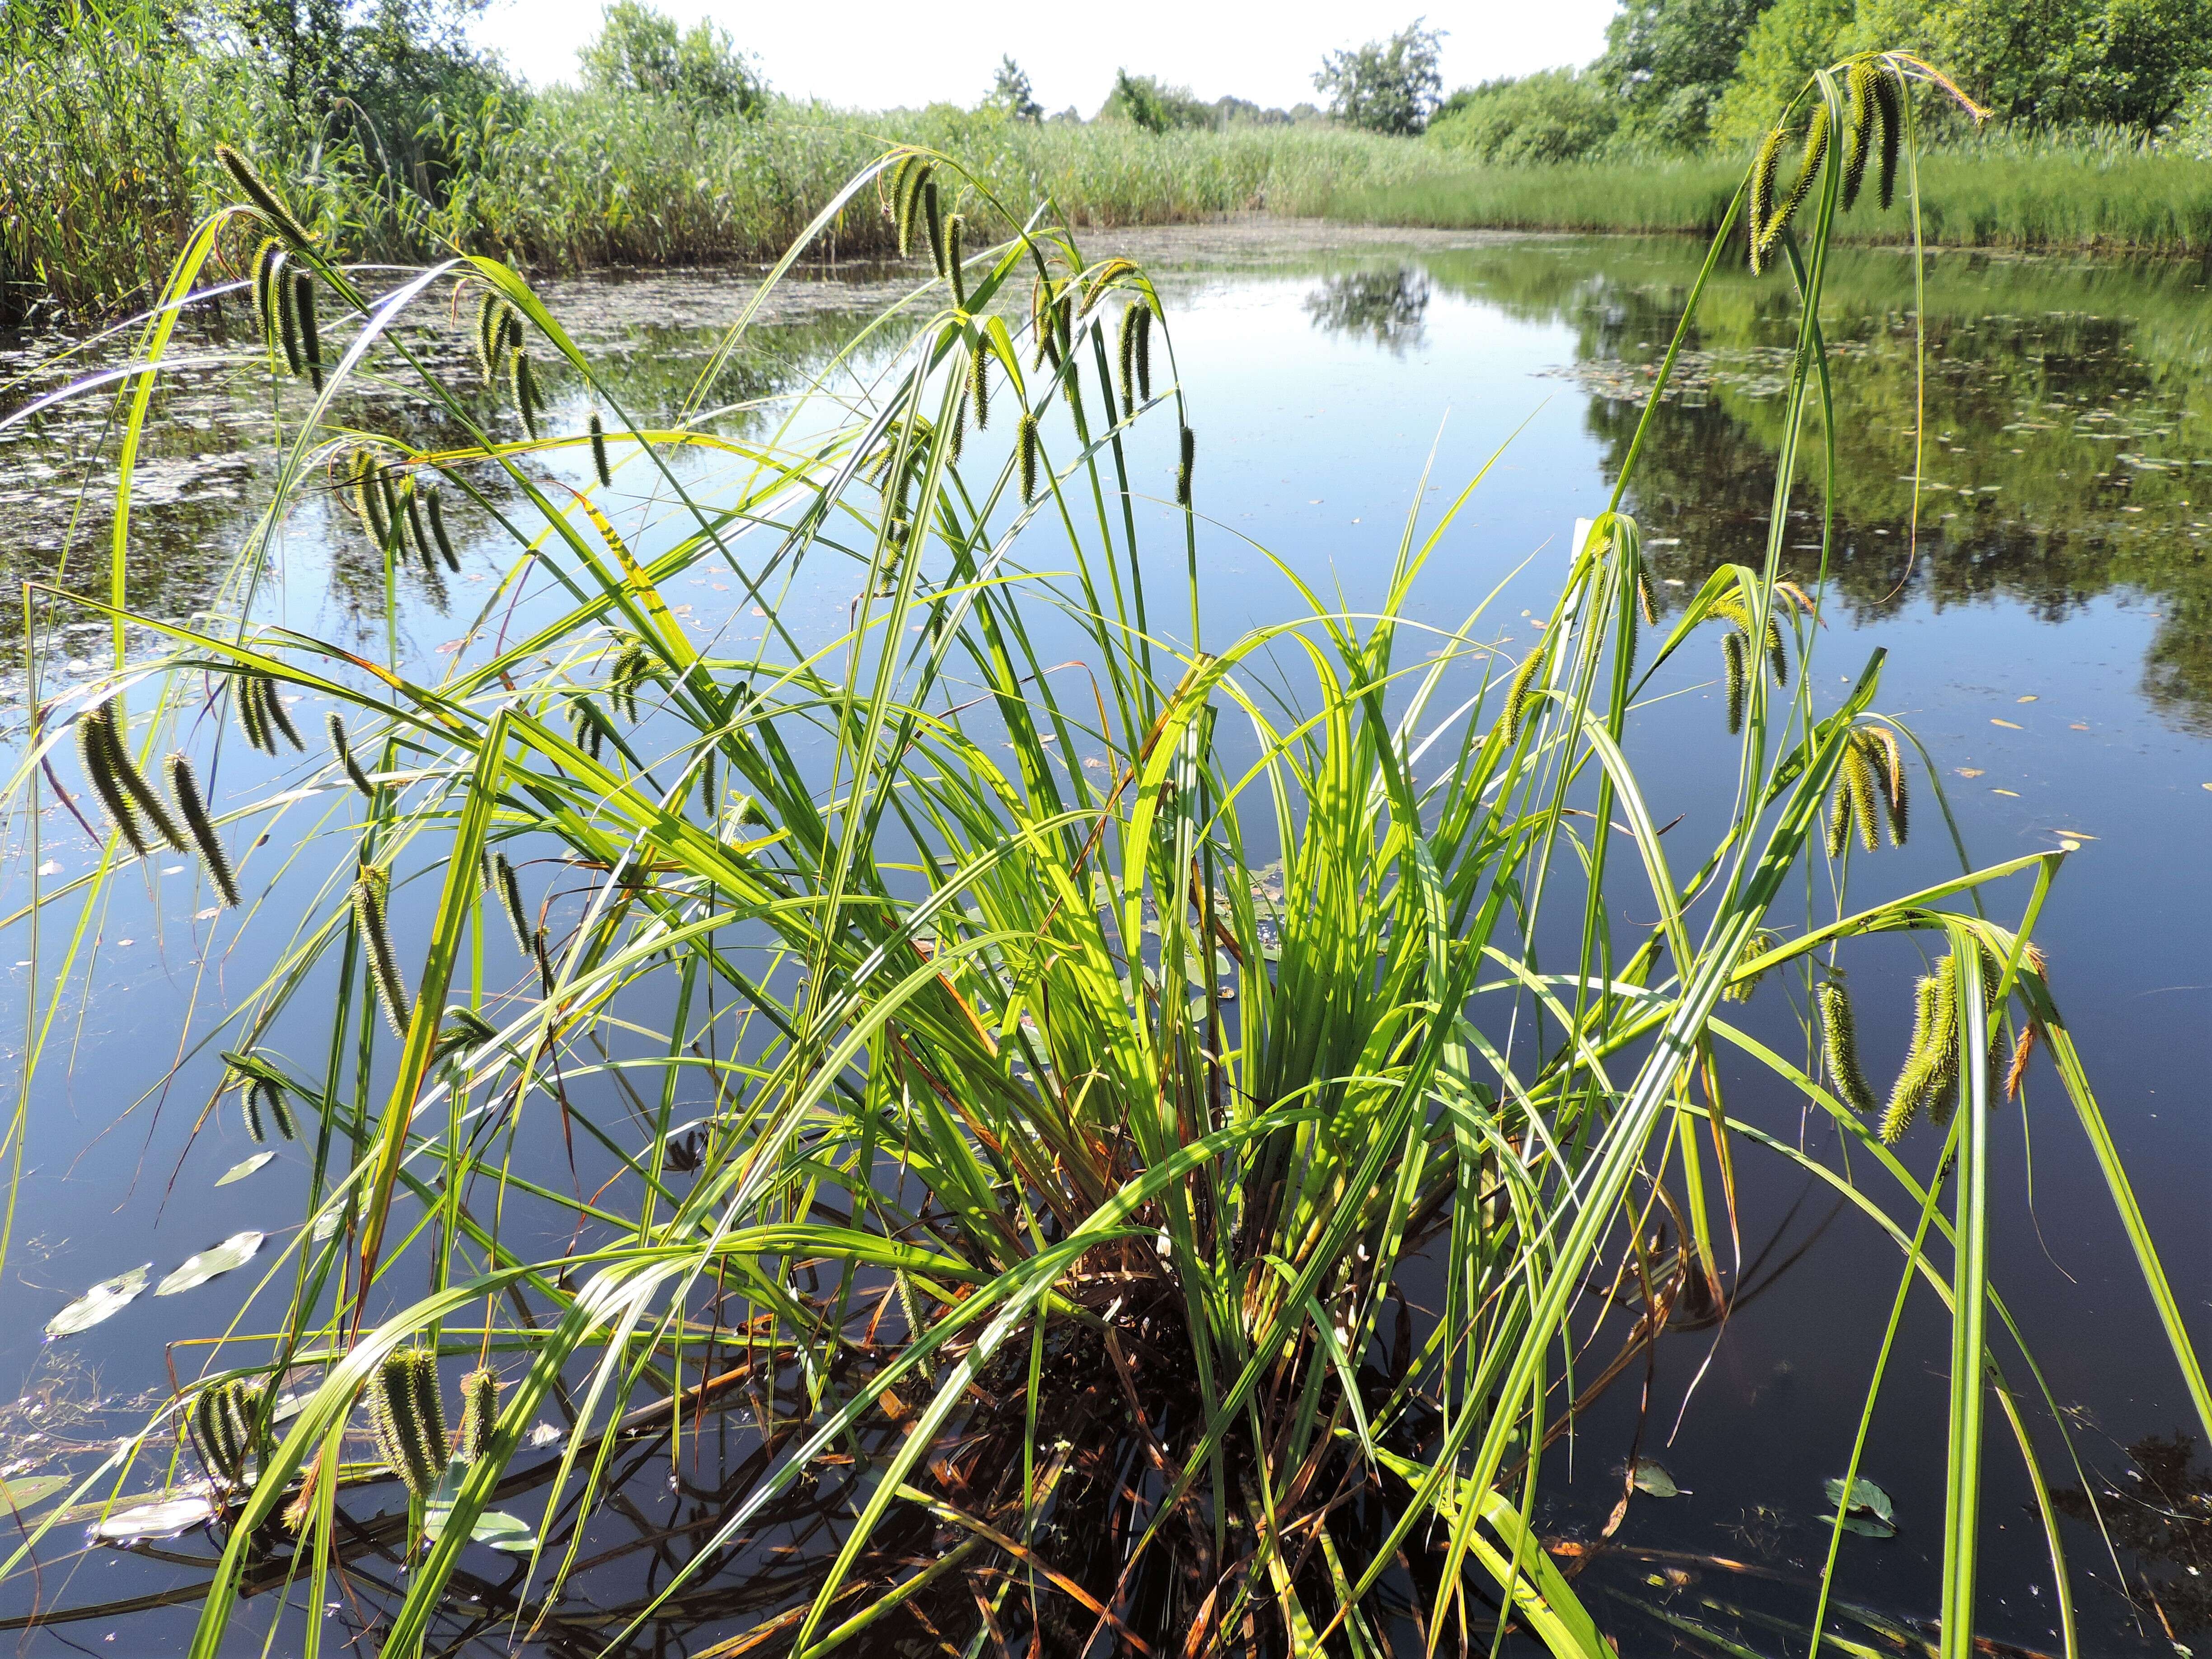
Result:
{"points": [[1755, 946], [1860, 142], [1931, 1062], [956, 258], [224, 1417], [522, 380], [275, 720], [369, 894], [411, 510], [1761, 205], [907, 180], [1189, 456], [187, 789], [979, 382], [271, 205], [141, 793], [491, 334], [311, 340], [1816, 151], [409, 1420], [1858, 779], [1840, 1044], [433, 507], [1735, 653], [97, 748], [933, 221], [1126, 359], [1143, 352], [1520, 693], [479, 1412], [288, 324], [1889, 98], [599, 451], [267, 266], [1025, 449], [344, 752], [510, 895]]}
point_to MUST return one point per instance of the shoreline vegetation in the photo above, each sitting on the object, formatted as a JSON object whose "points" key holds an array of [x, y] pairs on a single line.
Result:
{"points": [[109, 116]]}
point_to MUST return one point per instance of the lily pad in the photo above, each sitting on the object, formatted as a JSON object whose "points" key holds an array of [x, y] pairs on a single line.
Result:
{"points": [[196, 1270], [503, 1531], [19, 1495], [1865, 1496], [1867, 1526], [163, 1519], [103, 1301], [1650, 1478], [241, 1171]]}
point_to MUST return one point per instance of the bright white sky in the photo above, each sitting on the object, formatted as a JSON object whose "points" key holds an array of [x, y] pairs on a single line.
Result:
{"points": [[878, 54]]}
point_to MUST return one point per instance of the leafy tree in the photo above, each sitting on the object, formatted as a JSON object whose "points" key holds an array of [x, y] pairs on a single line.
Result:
{"points": [[1791, 39], [1386, 86], [1553, 115], [2131, 63], [1012, 94], [640, 50], [387, 76], [2051, 63], [1668, 62], [1156, 108]]}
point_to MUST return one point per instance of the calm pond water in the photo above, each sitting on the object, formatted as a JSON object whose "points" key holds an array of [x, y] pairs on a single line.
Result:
{"points": [[2049, 622]]}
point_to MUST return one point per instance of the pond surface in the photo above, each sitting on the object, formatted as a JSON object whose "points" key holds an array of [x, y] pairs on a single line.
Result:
{"points": [[2046, 605]]}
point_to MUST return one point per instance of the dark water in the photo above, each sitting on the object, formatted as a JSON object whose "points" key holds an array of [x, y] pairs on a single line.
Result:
{"points": [[2049, 622]]}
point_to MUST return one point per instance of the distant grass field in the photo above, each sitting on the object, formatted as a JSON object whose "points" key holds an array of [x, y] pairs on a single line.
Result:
{"points": [[2088, 191]]}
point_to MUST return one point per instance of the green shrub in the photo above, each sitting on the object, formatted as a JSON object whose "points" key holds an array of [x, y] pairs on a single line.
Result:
{"points": [[1553, 115]]}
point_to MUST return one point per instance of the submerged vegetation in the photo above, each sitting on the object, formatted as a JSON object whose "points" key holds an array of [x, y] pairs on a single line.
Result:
{"points": [[990, 1148]]}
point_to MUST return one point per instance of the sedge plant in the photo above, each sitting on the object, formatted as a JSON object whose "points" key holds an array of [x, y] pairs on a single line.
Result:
{"points": [[873, 1080]]}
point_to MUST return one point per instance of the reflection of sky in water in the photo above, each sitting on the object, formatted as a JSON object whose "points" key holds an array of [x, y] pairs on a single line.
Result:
{"points": [[1317, 406]]}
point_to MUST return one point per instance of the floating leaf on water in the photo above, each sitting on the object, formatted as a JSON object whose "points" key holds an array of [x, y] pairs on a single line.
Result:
{"points": [[326, 1224], [233, 1252], [1653, 1480], [1867, 1526], [103, 1300], [503, 1531], [164, 1519], [20, 1495], [239, 1171], [543, 1435], [1865, 1495]]}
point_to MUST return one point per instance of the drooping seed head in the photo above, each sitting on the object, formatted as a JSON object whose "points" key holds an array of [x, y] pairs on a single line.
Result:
{"points": [[311, 340], [479, 1412], [409, 1418], [98, 748], [599, 451], [1520, 694], [187, 790], [1860, 143], [1760, 206], [270, 205], [433, 506], [1840, 1046]]}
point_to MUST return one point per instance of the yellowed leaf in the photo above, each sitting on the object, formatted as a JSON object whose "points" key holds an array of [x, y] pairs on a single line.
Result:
{"points": [[2026, 699], [1975, 771], [2010, 726], [2015, 793]]}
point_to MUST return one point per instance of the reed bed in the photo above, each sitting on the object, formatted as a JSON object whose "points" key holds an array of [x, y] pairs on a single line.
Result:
{"points": [[2009, 191], [987, 1200]]}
